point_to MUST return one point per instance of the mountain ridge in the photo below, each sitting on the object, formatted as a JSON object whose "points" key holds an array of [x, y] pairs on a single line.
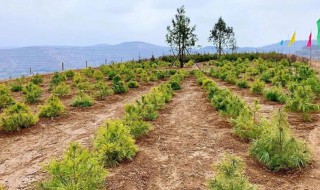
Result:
{"points": [[17, 61]]}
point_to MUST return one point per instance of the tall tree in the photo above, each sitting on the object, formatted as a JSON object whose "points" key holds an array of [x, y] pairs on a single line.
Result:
{"points": [[180, 35], [221, 35]]}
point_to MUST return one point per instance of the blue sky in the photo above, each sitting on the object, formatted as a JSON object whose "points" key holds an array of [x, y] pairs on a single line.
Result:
{"points": [[88, 22]]}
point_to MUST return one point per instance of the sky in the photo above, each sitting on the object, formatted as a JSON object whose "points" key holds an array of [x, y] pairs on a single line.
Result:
{"points": [[88, 22]]}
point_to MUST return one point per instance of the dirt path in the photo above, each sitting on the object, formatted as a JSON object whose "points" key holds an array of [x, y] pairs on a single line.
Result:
{"points": [[189, 136], [309, 131], [22, 153]]}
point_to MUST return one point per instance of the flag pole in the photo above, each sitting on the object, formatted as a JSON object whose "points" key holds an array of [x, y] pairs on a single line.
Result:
{"points": [[310, 54]]}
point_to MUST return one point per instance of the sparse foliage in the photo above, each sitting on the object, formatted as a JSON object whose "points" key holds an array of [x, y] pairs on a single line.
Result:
{"points": [[180, 35], [221, 35]]}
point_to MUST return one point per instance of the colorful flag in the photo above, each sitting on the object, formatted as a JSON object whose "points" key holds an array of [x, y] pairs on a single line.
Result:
{"points": [[281, 43], [310, 39], [318, 32], [293, 39]]}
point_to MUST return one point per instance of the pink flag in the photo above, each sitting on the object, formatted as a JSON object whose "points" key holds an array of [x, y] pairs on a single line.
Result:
{"points": [[309, 42]]}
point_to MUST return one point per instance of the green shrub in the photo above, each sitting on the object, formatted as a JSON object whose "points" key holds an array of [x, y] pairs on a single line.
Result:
{"points": [[56, 79], [78, 78], [102, 90], [257, 87], [246, 127], [314, 83], [175, 81], [149, 110], [17, 116], [53, 107], [5, 97], [275, 94], [227, 103], [133, 84], [37, 79], [78, 169], [61, 90], [144, 77], [32, 92], [111, 73], [266, 76], [278, 149], [17, 85], [82, 100], [230, 175], [114, 143], [302, 101], [87, 72], [98, 75], [137, 128], [69, 74], [190, 63], [242, 83], [85, 86], [118, 85]]}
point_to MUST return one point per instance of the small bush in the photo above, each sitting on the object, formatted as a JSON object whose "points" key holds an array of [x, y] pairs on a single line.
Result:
{"points": [[144, 77], [190, 63], [85, 86], [302, 101], [17, 85], [137, 128], [69, 74], [78, 169], [16, 117], [278, 149], [32, 93], [87, 72], [230, 175], [82, 100], [102, 91], [37, 79], [61, 90], [175, 81], [118, 85], [275, 94], [78, 78], [56, 79], [149, 110], [246, 127], [133, 84], [242, 83], [98, 75], [257, 87], [5, 97], [153, 77], [53, 107], [114, 143]]}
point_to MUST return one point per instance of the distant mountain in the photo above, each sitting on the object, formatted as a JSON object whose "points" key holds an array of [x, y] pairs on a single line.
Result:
{"points": [[42, 59], [15, 62], [295, 48]]}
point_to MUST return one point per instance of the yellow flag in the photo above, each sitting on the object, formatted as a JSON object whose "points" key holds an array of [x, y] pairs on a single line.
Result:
{"points": [[293, 39]]}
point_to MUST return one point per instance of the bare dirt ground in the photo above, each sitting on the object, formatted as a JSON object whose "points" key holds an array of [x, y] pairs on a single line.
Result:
{"points": [[23, 152], [189, 136], [308, 178]]}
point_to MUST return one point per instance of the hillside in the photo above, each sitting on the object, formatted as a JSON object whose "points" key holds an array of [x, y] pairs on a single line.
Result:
{"points": [[15, 62]]}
